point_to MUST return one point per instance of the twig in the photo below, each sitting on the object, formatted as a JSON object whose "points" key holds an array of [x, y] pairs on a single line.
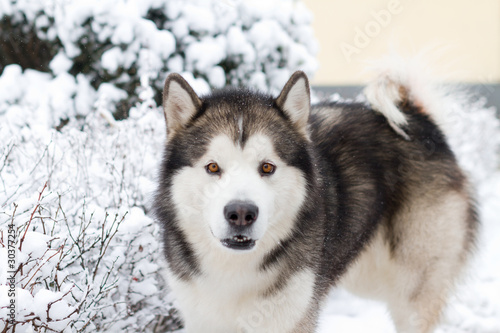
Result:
{"points": [[31, 217], [109, 237], [40, 267], [49, 305]]}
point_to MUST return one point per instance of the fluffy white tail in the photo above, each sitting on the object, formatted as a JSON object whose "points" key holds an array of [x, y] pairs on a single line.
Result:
{"points": [[400, 82], [470, 127]]}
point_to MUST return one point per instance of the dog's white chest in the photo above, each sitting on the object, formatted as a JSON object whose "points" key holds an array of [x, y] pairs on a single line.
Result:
{"points": [[240, 304]]}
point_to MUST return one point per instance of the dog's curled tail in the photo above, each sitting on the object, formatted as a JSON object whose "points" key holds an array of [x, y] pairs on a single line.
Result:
{"points": [[401, 83]]}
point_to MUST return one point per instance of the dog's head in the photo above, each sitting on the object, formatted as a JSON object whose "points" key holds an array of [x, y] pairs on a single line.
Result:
{"points": [[237, 162]]}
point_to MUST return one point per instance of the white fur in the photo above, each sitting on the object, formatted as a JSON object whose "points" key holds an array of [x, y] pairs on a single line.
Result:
{"points": [[231, 280], [219, 305], [383, 95], [394, 72], [415, 282]]}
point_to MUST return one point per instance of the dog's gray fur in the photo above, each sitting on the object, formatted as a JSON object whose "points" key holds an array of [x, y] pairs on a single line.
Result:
{"points": [[386, 210]]}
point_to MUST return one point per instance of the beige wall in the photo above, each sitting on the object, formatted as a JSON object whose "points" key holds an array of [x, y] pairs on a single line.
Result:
{"points": [[463, 34]]}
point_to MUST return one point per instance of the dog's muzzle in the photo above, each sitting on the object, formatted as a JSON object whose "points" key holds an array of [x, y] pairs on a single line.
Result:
{"points": [[240, 215]]}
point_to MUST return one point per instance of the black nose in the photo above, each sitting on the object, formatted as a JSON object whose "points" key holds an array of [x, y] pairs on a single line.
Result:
{"points": [[241, 213]]}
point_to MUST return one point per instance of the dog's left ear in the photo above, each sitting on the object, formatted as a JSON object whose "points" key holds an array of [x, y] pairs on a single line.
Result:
{"points": [[180, 103], [295, 100]]}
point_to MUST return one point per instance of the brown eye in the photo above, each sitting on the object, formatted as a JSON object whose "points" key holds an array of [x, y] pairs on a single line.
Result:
{"points": [[213, 168], [267, 168]]}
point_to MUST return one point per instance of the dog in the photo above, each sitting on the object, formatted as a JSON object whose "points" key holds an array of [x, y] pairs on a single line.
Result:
{"points": [[266, 203]]}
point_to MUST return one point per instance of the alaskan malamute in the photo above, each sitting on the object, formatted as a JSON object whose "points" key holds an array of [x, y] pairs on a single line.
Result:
{"points": [[266, 203]]}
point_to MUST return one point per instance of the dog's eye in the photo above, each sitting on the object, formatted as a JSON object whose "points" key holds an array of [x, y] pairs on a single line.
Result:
{"points": [[267, 168], [213, 168]]}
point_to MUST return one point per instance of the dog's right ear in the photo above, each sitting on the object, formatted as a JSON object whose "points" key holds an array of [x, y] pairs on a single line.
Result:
{"points": [[180, 103]]}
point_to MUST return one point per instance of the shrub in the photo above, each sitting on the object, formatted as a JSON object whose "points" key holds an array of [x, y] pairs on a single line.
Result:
{"points": [[117, 42]]}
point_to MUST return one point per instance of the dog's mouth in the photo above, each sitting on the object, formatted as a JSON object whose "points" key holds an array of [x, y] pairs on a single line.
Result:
{"points": [[239, 242]]}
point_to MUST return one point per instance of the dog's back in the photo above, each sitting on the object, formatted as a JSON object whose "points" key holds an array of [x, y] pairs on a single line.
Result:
{"points": [[399, 199]]}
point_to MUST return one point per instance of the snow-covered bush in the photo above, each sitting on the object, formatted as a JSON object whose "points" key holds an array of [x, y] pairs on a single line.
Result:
{"points": [[257, 43], [88, 255], [74, 182]]}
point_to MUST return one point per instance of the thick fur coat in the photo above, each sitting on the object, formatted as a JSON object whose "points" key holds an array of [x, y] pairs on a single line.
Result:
{"points": [[367, 195]]}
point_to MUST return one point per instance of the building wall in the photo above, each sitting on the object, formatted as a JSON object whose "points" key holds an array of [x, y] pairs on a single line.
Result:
{"points": [[463, 37]]}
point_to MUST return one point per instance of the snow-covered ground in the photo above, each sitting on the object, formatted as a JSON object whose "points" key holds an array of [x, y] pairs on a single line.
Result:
{"points": [[475, 308]]}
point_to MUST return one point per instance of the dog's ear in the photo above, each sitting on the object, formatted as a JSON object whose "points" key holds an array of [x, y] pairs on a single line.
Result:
{"points": [[180, 103], [295, 100]]}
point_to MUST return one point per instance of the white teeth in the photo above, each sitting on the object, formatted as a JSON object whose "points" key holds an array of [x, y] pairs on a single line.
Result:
{"points": [[240, 239]]}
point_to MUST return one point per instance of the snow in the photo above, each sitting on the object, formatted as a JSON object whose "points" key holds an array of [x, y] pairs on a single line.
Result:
{"points": [[164, 44], [35, 244], [10, 92], [261, 37], [345, 313], [200, 86], [217, 77], [135, 221], [25, 301], [200, 19], [238, 45], [61, 63], [108, 94], [206, 54], [145, 288], [124, 33], [112, 59]]}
